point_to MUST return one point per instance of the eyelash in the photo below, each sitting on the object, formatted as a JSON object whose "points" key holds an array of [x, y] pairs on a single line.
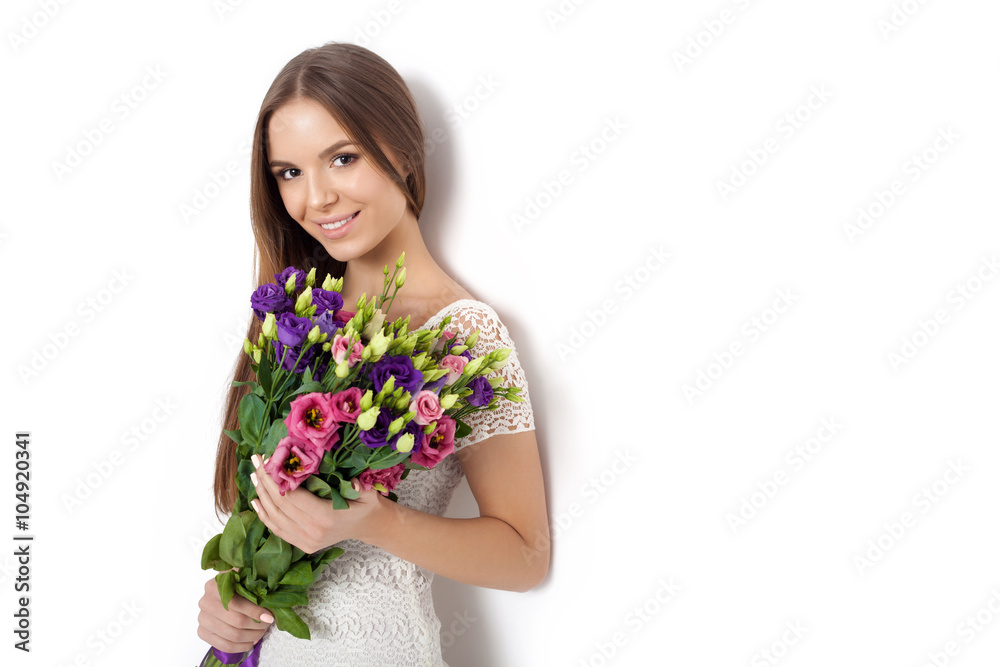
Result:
{"points": [[354, 157]]}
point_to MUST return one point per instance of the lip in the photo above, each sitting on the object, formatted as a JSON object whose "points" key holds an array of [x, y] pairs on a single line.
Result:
{"points": [[339, 232]]}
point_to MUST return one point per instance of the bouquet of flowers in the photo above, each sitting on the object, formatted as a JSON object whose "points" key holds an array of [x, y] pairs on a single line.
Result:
{"points": [[338, 395]]}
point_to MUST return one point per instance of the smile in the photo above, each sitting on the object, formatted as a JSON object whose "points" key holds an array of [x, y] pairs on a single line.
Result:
{"points": [[338, 224]]}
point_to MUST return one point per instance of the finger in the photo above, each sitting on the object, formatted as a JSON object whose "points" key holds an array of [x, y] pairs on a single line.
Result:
{"points": [[298, 505], [250, 611], [228, 641]]}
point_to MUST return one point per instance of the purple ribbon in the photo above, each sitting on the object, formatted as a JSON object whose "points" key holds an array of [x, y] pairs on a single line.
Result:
{"points": [[245, 659]]}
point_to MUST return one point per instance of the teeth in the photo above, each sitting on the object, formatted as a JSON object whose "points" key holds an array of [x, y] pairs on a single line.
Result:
{"points": [[338, 225]]}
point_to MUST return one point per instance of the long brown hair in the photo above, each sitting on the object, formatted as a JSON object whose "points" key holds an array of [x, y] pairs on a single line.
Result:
{"points": [[369, 99]]}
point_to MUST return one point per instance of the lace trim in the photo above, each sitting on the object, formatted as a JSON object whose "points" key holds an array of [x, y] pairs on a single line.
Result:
{"points": [[508, 417]]}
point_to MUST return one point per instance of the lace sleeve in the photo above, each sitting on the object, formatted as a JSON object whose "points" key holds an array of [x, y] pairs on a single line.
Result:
{"points": [[508, 417]]}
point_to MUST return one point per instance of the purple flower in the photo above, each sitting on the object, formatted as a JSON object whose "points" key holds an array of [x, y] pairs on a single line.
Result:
{"points": [[327, 324], [326, 300], [377, 435], [400, 367], [292, 330], [292, 355], [482, 391], [300, 278], [269, 298]]}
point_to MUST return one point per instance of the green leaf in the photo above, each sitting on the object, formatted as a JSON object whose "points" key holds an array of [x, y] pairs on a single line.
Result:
{"points": [[210, 554], [288, 621], [461, 429], [347, 491], [273, 559], [251, 417], [243, 483], [277, 431], [284, 599], [308, 387], [264, 373], [358, 459], [394, 458], [226, 581], [320, 561], [317, 486], [297, 554], [338, 501], [301, 574], [235, 436], [251, 384], [233, 535], [241, 590], [254, 535], [327, 465]]}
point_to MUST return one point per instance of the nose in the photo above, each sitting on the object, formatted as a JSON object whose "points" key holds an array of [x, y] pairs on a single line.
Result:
{"points": [[322, 191]]}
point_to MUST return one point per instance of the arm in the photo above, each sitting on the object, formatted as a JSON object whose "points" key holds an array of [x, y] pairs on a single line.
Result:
{"points": [[506, 547]]}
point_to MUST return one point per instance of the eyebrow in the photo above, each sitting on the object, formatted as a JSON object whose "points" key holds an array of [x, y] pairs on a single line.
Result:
{"points": [[325, 153]]}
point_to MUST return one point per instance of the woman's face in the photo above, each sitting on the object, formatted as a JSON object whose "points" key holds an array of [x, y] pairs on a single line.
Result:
{"points": [[323, 179]]}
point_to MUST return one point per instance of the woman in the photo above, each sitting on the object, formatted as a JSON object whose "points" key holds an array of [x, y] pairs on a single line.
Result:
{"points": [[338, 183]]}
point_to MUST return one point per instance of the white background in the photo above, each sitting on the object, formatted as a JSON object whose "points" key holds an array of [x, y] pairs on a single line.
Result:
{"points": [[607, 363]]}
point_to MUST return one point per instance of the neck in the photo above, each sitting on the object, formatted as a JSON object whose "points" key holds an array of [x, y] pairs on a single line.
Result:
{"points": [[364, 274]]}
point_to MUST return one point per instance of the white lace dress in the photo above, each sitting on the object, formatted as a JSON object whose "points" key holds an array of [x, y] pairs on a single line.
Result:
{"points": [[369, 607]]}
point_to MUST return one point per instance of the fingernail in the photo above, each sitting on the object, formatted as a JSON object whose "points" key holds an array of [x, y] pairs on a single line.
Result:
{"points": [[267, 618], [256, 461], [255, 505], [253, 478]]}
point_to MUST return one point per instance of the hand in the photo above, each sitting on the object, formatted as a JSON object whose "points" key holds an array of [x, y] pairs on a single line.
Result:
{"points": [[233, 631], [307, 521]]}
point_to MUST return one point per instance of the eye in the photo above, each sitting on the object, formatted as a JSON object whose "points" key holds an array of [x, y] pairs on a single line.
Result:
{"points": [[281, 174], [346, 156]]}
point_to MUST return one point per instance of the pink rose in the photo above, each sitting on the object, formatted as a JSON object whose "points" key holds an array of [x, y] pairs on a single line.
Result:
{"points": [[388, 477], [311, 419], [345, 406], [455, 365], [292, 462], [339, 350], [445, 337], [427, 407], [437, 444]]}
